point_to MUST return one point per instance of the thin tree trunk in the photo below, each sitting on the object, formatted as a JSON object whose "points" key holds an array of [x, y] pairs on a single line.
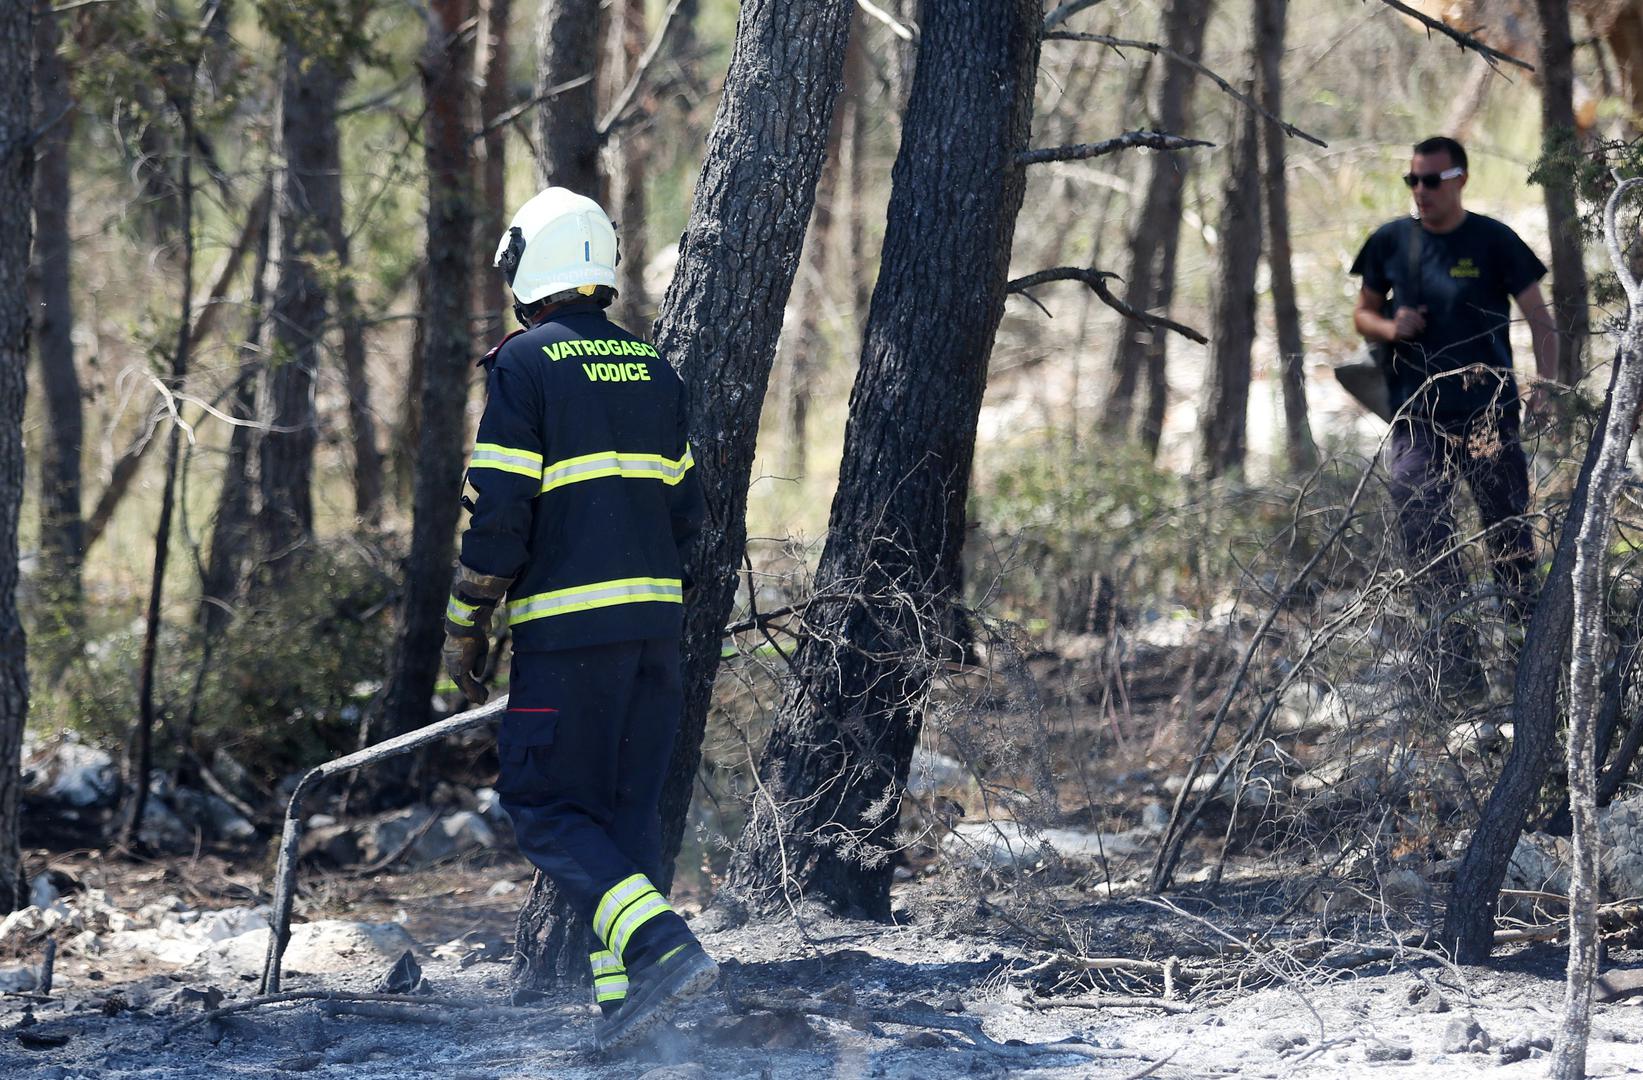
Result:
{"points": [[446, 65], [719, 323], [853, 147], [1585, 665], [832, 773], [627, 150], [231, 528], [1150, 272], [1271, 18], [1559, 136], [494, 100], [62, 529], [140, 755], [16, 226], [567, 138], [309, 202], [1226, 401]]}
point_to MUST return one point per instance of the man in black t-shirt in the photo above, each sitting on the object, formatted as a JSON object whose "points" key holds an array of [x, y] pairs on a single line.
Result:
{"points": [[1450, 375]]}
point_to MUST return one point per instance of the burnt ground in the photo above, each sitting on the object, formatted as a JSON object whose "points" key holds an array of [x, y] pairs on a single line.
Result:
{"points": [[1292, 1011]]}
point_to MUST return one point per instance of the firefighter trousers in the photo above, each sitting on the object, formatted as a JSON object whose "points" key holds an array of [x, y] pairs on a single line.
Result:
{"points": [[584, 749]]}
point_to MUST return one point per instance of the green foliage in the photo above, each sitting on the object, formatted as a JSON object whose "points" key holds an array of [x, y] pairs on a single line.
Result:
{"points": [[281, 689]]}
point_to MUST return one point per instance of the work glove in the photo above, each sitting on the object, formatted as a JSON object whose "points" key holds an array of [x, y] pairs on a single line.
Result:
{"points": [[468, 626]]}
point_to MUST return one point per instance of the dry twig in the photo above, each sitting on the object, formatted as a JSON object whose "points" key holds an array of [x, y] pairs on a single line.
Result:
{"points": [[1096, 280]]}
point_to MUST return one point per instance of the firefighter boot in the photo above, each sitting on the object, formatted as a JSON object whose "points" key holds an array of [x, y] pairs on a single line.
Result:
{"points": [[656, 993]]}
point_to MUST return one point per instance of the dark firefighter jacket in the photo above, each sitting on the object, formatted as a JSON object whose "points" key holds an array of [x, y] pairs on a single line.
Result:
{"points": [[586, 488]]}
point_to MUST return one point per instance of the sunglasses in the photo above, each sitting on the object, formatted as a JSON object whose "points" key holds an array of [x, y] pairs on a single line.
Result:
{"points": [[1432, 179]]}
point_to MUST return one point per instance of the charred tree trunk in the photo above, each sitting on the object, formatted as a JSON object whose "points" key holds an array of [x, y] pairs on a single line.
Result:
{"points": [[837, 760], [1226, 399], [447, 351], [1595, 526], [718, 327], [1558, 138], [1150, 272], [567, 135], [1271, 18], [62, 530], [16, 226], [494, 214], [310, 198], [1469, 920]]}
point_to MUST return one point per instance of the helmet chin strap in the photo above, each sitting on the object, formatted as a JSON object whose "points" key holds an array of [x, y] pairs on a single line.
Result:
{"points": [[519, 313]]}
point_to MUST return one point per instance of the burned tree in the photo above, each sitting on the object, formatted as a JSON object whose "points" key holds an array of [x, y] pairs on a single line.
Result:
{"points": [[1558, 142], [567, 136], [1224, 419], [884, 609], [718, 327], [16, 229]]}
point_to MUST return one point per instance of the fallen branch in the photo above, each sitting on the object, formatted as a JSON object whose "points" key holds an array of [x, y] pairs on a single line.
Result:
{"points": [[1113, 1002], [862, 1015], [285, 872], [381, 1010], [1187, 61], [466, 1004], [1130, 140], [1459, 37], [1097, 281]]}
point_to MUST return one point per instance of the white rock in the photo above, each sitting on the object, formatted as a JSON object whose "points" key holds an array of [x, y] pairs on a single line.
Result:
{"points": [[42, 893], [71, 772], [999, 844], [1539, 863], [181, 937], [931, 772], [324, 947], [502, 888], [163, 829], [18, 980], [212, 814], [1620, 831]]}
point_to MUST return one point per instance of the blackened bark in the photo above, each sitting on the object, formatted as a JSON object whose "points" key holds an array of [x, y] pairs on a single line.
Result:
{"points": [[1150, 273], [310, 196], [231, 529], [1469, 920], [16, 177], [1271, 18], [62, 530], [1559, 137], [719, 323], [494, 100], [723, 311], [446, 363], [882, 620], [1226, 400], [567, 137]]}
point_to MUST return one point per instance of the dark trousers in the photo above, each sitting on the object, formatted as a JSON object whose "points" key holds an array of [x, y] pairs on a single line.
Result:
{"points": [[1425, 462], [584, 749]]}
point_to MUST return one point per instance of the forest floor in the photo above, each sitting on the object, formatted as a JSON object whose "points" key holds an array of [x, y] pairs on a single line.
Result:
{"points": [[955, 961]]}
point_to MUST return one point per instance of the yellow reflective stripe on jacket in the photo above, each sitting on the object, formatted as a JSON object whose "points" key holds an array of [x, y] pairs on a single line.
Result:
{"points": [[610, 978], [615, 899], [599, 594], [613, 463], [633, 918], [506, 459], [458, 612], [604, 963]]}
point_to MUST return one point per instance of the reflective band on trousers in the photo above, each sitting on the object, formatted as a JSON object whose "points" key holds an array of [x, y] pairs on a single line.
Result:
{"points": [[460, 613], [610, 978], [629, 466], [631, 919], [597, 595], [616, 898], [506, 459]]}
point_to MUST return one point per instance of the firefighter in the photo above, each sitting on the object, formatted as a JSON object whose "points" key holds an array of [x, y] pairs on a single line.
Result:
{"points": [[586, 499]]}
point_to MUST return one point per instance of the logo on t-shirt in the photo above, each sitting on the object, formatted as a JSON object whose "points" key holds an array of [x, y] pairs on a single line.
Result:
{"points": [[1466, 268]]}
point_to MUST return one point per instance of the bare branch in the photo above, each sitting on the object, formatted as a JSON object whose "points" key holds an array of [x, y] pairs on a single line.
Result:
{"points": [[1097, 281], [1130, 140], [648, 57], [504, 119], [1187, 61], [1459, 37], [1065, 11], [901, 30]]}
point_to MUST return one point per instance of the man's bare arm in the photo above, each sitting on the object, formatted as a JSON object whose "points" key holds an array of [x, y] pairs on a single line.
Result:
{"points": [[1542, 330], [1367, 318]]}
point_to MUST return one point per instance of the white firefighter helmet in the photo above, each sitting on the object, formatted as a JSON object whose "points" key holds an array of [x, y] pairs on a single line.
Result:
{"points": [[558, 242]]}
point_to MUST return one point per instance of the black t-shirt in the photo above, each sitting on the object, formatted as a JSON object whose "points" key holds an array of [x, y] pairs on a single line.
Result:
{"points": [[1466, 282]]}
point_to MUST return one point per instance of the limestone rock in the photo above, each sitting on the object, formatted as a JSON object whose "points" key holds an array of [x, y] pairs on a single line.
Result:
{"points": [[69, 771], [324, 947]]}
